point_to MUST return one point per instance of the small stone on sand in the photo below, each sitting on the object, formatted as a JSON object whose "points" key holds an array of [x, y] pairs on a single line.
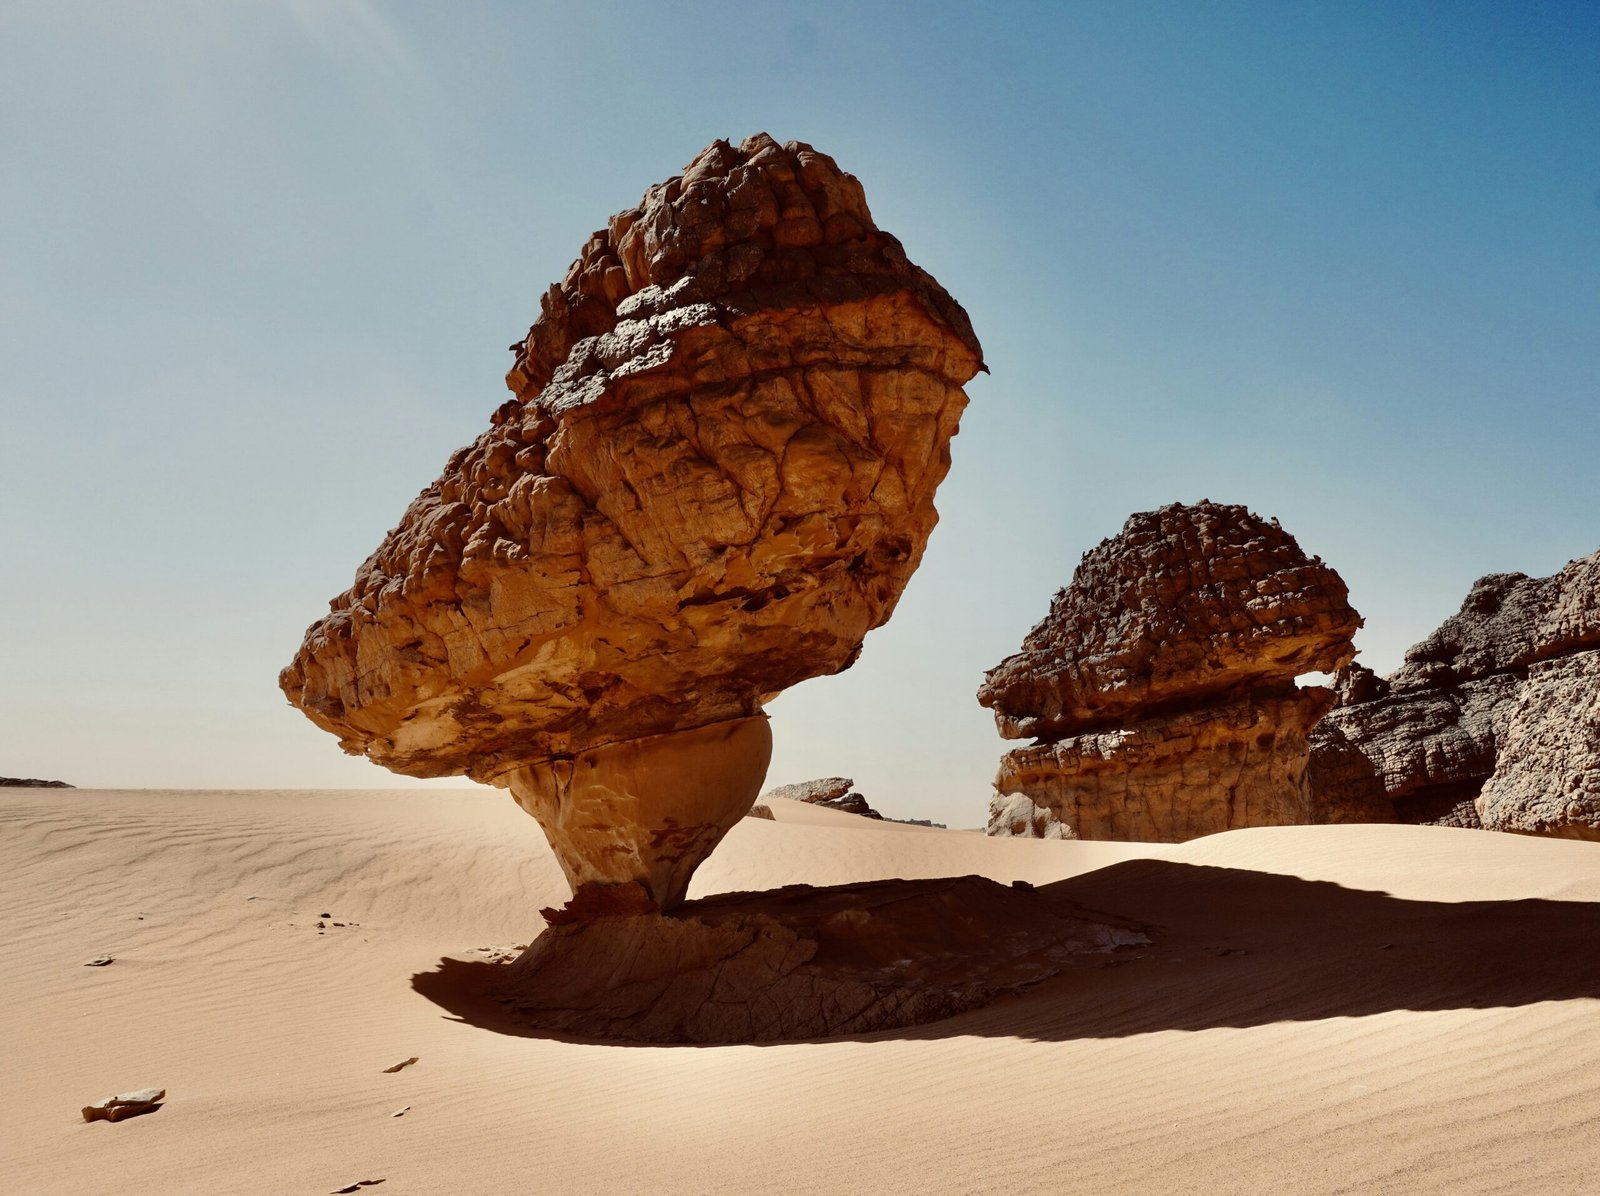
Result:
{"points": [[99, 961], [404, 1063], [128, 1104]]}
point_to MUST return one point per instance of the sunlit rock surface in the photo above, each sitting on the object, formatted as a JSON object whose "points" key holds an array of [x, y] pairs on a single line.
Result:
{"points": [[1161, 684], [716, 476]]}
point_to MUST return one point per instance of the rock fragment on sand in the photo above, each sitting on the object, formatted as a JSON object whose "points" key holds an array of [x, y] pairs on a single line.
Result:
{"points": [[127, 1104], [100, 961], [357, 1186], [716, 476], [1161, 686], [401, 1111], [400, 1066]]}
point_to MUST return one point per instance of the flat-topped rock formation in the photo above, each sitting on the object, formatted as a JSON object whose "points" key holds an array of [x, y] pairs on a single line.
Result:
{"points": [[1493, 720], [716, 475], [1161, 685], [32, 783]]}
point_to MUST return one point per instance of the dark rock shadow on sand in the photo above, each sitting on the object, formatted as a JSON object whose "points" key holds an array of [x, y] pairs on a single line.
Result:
{"points": [[964, 956]]}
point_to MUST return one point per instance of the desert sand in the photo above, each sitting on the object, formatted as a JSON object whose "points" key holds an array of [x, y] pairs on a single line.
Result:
{"points": [[1324, 1009]]}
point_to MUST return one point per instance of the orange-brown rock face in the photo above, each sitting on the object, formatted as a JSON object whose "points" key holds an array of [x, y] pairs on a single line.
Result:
{"points": [[717, 475], [1161, 684]]}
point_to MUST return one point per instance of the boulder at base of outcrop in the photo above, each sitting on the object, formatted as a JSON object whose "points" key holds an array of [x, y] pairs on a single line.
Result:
{"points": [[1490, 722], [1161, 685], [800, 962]]}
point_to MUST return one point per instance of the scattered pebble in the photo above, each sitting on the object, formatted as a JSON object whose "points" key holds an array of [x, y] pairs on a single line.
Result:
{"points": [[325, 916], [127, 1104], [401, 1112], [99, 961], [1385, 946], [402, 1064], [360, 1183], [1233, 951]]}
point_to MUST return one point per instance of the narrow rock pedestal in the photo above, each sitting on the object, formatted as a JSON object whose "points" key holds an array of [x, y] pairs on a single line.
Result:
{"points": [[647, 810]]}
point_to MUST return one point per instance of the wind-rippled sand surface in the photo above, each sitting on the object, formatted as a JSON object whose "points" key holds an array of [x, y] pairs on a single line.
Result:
{"points": [[1326, 1009]]}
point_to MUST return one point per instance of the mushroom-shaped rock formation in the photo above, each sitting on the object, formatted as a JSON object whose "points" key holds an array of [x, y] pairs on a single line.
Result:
{"points": [[716, 476], [1161, 685], [1493, 720]]}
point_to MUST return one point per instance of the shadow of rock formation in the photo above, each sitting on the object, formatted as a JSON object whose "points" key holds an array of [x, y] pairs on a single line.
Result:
{"points": [[1229, 948], [794, 963]]}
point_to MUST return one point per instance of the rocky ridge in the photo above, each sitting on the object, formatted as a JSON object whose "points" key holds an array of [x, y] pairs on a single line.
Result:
{"points": [[1493, 720]]}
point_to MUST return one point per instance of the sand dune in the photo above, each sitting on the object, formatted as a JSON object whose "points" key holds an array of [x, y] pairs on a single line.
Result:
{"points": [[1325, 1009]]}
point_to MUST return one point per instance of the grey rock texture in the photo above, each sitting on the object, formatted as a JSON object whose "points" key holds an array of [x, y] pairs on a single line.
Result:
{"points": [[1490, 722]]}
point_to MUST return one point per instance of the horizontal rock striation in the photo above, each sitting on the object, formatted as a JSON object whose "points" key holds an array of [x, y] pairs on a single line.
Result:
{"points": [[1161, 684], [1489, 722]]}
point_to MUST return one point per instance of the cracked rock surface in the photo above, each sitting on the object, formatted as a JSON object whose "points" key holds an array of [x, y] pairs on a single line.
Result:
{"points": [[1493, 720], [716, 475], [1161, 686]]}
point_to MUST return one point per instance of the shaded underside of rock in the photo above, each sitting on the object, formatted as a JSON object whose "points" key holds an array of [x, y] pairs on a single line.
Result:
{"points": [[716, 476], [1186, 605], [800, 962], [1167, 779], [1489, 722]]}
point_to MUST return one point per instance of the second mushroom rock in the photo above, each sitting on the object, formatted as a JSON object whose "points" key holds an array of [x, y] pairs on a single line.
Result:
{"points": [[1161, 686], [716, 476]]}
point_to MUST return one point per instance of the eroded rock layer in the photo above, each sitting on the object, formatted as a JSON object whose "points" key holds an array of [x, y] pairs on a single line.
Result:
{"points": [[1490, 722], [716, 476], [1166, 779], [1161, 684]]}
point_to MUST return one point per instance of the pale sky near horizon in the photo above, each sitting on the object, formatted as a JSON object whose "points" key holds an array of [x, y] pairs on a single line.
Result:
{"points": [[259, 264]]}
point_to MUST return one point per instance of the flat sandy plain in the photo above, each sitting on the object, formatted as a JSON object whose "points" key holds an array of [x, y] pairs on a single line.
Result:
{"points": [[1325, 1009]]}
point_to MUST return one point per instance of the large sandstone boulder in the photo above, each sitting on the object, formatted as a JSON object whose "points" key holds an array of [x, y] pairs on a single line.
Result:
{"points": [[1492, 720], [716, 476], [1161, 686]]}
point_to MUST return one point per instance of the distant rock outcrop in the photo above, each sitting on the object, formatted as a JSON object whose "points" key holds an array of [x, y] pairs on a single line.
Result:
{"points": [[32, 783], [716, 476], [1493, 720], [837, 793], [1161, 686]]}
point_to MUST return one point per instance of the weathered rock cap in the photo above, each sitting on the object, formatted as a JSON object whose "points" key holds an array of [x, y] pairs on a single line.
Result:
{"points": [[716, 476], [1187, 605]]}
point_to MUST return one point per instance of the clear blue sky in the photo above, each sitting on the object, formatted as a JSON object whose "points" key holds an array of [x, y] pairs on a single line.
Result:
{"points": [[259, 264]]}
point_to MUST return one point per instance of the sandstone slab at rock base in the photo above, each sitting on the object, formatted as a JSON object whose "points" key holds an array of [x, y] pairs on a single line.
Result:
{"points": [[646, 811], [797, 963]]}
